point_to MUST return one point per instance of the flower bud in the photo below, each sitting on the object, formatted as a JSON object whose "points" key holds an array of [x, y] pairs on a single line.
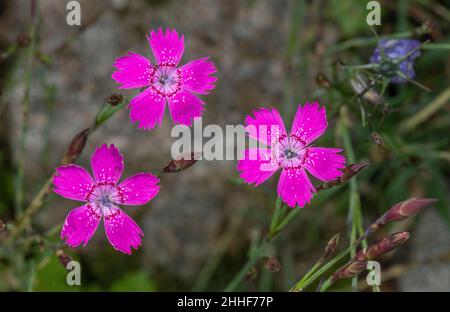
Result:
{"points": [[350, 270], [383, 246], [400, 211], [181, 163], [76, 147], [2, 226], [114, 99], [63, 258], [272, 264], [323, 81], [349, 172], [23, 40], [408, 208], [331, 246]]}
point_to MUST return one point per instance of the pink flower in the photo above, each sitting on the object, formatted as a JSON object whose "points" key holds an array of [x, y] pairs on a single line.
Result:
{"points": [[292, 153], [164, 81], [101, 195]]}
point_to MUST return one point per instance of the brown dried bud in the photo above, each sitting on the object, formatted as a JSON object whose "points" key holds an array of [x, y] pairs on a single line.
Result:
{"points": [[363, 89], [383, 246], [331, 246], [322, 81], [2, 226], [76, 147], [408, 208], [377, 139], [23, 40], [426, 30], [63, 258], [114, 99], [272, 264], [350, 270], [182, 162], [349, 172]]}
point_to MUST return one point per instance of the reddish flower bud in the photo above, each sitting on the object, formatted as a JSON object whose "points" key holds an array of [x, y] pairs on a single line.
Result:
{"points": [[349, 172], [383, 246], [63, 258], [2, 226], [23, 40], [181, 163], [408, 208], [350, 270], [76, 147], [400, 211], [272, 264]]}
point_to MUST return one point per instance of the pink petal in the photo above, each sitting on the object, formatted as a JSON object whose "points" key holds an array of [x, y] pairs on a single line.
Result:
{"points": [[196, 76], [266, 126], [122, 232], [72, 182], [147, 108], [295, 188], [256, 166], [324, 163], [138, 189], [184, 106], [133, 71], [107, 164], [80, 225], [167, 48], [310, 122]]}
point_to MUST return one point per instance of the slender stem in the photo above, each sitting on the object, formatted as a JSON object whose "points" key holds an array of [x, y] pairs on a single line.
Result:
{"points": [[256, 251], [354, 212], [25, 119], [439, 102], [305, 283]]}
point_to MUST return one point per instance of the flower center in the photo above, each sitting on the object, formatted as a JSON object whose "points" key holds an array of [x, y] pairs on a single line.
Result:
{"points": [[290, 151], [290, 154], [166, 80], [105, 201]]}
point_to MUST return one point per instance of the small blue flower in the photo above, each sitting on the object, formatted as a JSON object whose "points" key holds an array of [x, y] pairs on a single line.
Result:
{"points": [[391, 55]]}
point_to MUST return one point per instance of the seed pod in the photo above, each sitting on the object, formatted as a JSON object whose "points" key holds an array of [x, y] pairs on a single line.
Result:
{"points": [[383, 246], [181, 163], [114, 99], [76, 147]]}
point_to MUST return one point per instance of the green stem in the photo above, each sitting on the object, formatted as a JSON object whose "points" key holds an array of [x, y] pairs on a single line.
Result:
{"points": [[25, 119], [256, 251], [354, 212]]}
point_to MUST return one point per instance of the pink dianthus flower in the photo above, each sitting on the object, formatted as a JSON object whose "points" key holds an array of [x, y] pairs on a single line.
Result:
{"points": [[164, 81], [292, 153], [102, 194]]}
